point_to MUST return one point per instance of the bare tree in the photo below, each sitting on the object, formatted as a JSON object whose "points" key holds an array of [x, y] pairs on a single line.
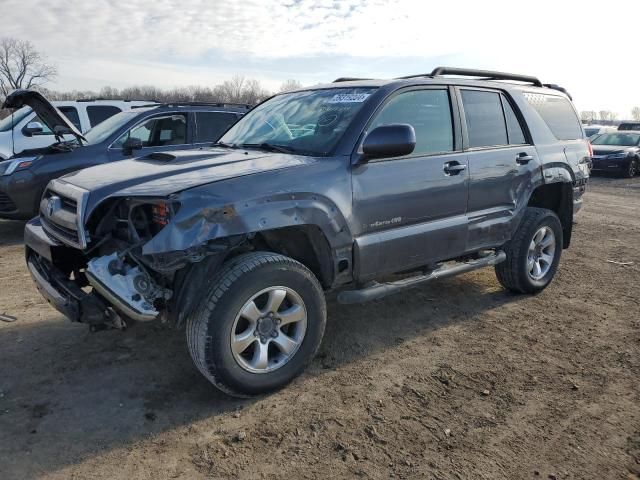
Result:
{"points": [[22, 66], [289, 85], [635, 113], [588, 115], [240, 90]]}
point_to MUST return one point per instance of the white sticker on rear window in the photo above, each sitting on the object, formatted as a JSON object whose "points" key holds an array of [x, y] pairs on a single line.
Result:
{"points": [[349, 98]]}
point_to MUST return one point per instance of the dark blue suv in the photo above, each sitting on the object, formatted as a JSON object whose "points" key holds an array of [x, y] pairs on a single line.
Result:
{"points": [[136, 132]]}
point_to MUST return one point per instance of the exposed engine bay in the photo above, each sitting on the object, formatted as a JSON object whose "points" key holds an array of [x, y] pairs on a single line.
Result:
{"points": [[139, 286]]}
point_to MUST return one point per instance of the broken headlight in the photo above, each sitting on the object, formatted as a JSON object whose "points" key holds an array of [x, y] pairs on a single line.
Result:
{"points": [[146, 217]]}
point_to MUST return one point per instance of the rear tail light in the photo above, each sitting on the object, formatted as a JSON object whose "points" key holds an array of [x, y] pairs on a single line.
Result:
{"points": [[590, 148]]}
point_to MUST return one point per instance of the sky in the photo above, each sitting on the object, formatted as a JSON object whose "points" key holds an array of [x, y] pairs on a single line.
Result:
{"points": [[168, 43]]}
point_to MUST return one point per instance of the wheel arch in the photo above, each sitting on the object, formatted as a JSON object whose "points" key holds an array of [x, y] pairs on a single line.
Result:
{"points": [[558, 197]]}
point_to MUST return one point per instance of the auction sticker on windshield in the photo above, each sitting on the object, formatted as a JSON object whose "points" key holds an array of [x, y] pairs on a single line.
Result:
{"points": [[349, 98]]}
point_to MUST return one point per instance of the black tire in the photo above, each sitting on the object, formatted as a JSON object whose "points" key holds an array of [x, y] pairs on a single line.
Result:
{"points": [[209, 327], [632, 169], [513, 274]]}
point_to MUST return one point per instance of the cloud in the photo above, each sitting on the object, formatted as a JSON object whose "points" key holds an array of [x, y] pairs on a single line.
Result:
{"points": [[167, 42]]}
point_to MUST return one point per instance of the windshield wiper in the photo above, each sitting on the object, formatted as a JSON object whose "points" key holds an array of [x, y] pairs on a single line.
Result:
{"points": [[269, 147]]}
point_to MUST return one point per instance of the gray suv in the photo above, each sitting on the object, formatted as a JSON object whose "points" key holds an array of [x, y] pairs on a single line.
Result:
{"points": [[333, 187]]}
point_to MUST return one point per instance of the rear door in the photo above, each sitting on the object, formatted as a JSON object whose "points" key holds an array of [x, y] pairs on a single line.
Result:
{"points": [[411, 209], [502, 164]]}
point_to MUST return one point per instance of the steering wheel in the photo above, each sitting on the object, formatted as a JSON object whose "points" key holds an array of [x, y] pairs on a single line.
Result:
{"points": [[277, 123]]}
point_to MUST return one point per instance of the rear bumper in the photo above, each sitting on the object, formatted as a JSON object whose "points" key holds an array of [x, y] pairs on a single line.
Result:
{"points": [[54, 285]]}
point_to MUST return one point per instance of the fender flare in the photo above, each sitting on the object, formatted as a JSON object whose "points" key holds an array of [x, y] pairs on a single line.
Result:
{"points": [[196, 225]]}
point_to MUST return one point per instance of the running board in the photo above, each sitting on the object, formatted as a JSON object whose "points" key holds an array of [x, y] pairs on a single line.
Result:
{"points": [[379, 290]]}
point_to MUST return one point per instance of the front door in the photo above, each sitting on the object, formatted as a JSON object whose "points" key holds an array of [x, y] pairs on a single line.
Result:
{"points": [[161, 133], [410, 211]]}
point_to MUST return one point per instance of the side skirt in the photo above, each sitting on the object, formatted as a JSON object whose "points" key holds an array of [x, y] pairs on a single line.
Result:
{"points": [[379, 290]]}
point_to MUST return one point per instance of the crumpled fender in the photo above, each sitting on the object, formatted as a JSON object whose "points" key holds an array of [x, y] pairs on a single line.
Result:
{"points": [[196, 224]]}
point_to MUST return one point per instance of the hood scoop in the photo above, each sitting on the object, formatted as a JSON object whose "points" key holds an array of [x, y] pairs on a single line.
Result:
{"points": [[162, 156]]}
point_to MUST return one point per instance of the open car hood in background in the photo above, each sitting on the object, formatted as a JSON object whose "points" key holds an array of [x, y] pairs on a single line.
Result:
{"points": [[50, 115]]}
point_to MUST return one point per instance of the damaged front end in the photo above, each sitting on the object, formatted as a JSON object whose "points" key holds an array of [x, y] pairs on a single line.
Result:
{"points": [[112, 281]]}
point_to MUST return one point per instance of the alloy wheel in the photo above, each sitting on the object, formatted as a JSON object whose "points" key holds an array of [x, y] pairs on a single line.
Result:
{"points": [[268, 330], [542, 250]]}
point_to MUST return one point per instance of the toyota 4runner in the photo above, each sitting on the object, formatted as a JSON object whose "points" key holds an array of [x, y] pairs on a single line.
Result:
{"points": [[333, 187]]}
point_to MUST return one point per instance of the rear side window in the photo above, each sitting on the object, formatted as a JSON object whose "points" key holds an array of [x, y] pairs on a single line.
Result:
{"points": [[99, 113], [211, 125], [514, 129], [428, 112], [485, 119], [558, 114]]}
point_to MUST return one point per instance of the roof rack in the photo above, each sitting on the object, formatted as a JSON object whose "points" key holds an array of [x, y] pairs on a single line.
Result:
{"points": [[245, 106], [114, 99], [553, 86], [348, 79], [484, 74]]}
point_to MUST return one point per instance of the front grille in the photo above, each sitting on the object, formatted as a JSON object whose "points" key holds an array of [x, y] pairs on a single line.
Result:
{"points": [[6, 204], [60, 232], [68, 204], [61, 221]]}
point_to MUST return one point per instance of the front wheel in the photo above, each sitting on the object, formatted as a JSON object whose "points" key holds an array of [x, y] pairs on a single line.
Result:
{"points": [[533, 253], [261, 324], [632, 169]]}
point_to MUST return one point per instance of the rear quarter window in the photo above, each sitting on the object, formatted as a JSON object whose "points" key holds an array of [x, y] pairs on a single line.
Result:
{"points": [[558, 113]]}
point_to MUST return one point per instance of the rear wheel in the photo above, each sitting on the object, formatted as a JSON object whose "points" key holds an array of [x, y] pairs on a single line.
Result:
{"points": [[632, 169], [533, 253], [261, 325]]}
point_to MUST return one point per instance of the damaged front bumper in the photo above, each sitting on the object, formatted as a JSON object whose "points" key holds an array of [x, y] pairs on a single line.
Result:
{"points": [[111, 295], [64, 295], [121, 288]]}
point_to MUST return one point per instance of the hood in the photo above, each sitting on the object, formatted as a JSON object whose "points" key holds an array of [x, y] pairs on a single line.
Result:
{"points": [[50, 115], [611, 149], [162, 174]]}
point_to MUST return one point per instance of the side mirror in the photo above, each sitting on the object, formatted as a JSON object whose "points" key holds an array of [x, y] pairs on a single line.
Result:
{"points": [[33, 128], [132, 144], [387, 141]]}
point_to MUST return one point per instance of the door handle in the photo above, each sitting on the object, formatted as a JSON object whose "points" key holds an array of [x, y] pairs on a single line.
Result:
{"points": [[523, 158], [453, 168]]}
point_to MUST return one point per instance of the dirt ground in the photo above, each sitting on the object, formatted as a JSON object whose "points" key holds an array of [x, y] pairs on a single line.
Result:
{"points": [[453, 380]]}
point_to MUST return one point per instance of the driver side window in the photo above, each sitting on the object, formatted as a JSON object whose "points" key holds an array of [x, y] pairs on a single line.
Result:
{"points": [[158, 132], [428, 112]]}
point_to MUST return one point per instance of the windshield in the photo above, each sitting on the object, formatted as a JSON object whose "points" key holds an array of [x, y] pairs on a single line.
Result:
{"points": [[111, 125], [310, 122], [617, 139], [7, 123]]}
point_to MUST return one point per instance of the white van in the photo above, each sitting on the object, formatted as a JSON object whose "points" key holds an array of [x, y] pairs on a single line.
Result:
{"points": [[23, 130]]}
